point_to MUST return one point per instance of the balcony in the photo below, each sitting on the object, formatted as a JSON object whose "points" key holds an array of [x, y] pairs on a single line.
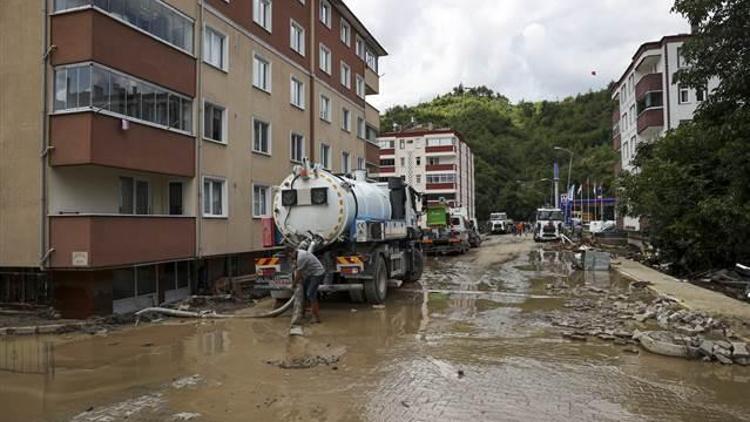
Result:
{"points": [[648, 83], [440, 149], [91, 138], [651, 120], [440, 167], [90, 35], [387, 151], [441, 186], [96, 241], [387, 170], [372, 116], [372, 82]]}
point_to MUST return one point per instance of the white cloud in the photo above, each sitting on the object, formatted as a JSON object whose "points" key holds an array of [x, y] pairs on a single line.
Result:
{"points": [[524, 49]]}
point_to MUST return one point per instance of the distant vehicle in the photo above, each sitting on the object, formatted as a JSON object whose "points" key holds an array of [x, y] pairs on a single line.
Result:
{"points": [[548, 226], [499, 223], [446, 232], [602, 226]]}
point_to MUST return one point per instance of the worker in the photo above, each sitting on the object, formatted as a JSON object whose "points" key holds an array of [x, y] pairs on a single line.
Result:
{"points": [[310, 272]]}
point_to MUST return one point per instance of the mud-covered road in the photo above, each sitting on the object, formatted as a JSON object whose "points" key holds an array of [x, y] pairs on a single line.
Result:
{"points": [[478, 340]]}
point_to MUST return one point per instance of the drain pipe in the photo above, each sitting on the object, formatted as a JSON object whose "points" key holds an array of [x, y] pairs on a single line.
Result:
{"points": [[199, 134], [44, 251]]}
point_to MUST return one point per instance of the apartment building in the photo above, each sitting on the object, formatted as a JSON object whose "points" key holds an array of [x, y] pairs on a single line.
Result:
{"points": [[648, 102], [438, 163], [140, 140]]}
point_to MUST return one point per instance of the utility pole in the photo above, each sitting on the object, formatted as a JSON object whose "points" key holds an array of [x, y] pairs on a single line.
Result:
{"points": [[556, 190]]}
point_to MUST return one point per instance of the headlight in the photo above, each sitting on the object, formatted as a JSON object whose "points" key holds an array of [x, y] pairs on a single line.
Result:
{"points": [[319, 196], [289, 198]]}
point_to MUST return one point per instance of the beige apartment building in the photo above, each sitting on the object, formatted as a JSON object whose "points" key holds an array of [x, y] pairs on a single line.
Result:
{"points": [[140, 140]]}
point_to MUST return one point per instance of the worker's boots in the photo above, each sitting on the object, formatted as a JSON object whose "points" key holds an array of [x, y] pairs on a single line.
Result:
{"points": [[315, 311]]}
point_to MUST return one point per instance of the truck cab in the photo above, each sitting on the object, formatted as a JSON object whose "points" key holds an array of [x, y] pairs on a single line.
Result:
{"points": [[499, 223], [446, 232], [548, 226]]}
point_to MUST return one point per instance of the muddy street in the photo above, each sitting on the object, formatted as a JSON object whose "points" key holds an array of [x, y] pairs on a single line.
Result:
{"points": [[480, 338]]}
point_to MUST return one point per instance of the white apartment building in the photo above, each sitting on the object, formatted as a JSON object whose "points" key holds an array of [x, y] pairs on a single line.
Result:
{"points": [[438, 163], [649, 102]]}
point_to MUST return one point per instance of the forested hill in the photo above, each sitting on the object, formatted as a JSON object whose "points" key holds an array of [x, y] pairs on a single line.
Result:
{"points": [[515, 142]]}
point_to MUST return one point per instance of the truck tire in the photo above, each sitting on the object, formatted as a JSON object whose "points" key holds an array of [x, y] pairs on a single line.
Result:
{"points": [[356, 296], [376, 289], [417, 268]]}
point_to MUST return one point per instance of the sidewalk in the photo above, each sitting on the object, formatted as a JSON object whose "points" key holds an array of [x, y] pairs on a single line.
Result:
{"points": [[691, 296]]}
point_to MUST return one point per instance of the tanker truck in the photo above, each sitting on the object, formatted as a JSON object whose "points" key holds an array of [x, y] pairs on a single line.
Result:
{"points": [[364, 233]]}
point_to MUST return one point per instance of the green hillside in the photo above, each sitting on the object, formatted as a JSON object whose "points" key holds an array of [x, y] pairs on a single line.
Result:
{"points": [[514, 142]]}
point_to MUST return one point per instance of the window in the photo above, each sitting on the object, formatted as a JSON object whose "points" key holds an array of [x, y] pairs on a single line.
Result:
{"points": [[625, 121], [260, 201], [215, 48], [152, 17], [632, 147], [439, 142], [345, 163], [297, 38], [625, 151], [325, 59], [631, 113], [359, 47], [419, 161], [325, 156], [403, 162], [214, 197], [297, 147], [700, 95], [360, 163], [94, 87], [261, 73], [360, 128], [135, 196], [680, 59], [419, 178], [387, 144], [372, 60], [346, 75], [684, 96], [360, 85], [214, 122], [346, 33], [175, 198], [441, 178], [261, 136], [325, 108], [433, 161], [325, 13], [651, 99], [346, 120], [262, 13], [297, 93], [401, 144], [387, 162]]}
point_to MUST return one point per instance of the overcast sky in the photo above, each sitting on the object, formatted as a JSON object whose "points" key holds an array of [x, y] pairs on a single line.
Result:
{"points": [[524, 49]]}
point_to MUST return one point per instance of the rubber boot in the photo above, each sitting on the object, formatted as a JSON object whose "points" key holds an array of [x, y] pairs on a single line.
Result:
{"points": [[315, 310]]}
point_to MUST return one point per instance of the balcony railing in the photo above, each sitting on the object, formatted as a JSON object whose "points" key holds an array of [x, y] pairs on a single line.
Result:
{"points": [[648, 83], [651, 117], [440, 167], [440, 148], [441, 186], [388, 151], [389, 170], [95, 241], [91, 138]]}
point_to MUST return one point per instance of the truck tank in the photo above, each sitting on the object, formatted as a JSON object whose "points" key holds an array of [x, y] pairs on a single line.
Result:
{"points": [[313, 200]]}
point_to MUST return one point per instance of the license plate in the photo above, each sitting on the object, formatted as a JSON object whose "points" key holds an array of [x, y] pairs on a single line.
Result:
{"points": [[280, 282]]}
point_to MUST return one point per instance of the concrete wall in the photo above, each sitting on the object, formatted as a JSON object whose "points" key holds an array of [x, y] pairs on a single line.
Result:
{"points": [[21, 44]]}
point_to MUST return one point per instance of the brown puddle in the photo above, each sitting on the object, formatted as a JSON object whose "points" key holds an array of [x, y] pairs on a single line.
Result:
{"points": [[403, 362]]}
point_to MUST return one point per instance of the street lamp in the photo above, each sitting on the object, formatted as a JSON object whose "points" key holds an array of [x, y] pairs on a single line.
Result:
{"points": [[570, 165]]}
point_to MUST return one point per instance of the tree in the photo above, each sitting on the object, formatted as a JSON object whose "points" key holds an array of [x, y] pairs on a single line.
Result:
{"points": [[693, 186]]}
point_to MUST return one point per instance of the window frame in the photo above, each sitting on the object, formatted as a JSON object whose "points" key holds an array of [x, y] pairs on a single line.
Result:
{"points": [[345, 33], [295, 82], [267, 200], [292, 25], [292, 148], [326, 67], [345, 75], [259, 58], [325, 153], [680, 90], [269, 136], [360, 86], [346, 162], [361, 128], [328, 115], [134, 180], [257, 8], [327, 17], [224, 67], [224, 123], [224, 197], [346, 120]]}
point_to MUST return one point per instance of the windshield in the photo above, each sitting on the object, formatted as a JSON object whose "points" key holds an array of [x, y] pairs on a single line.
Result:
{"points": [[497, 216], [555, 215]]}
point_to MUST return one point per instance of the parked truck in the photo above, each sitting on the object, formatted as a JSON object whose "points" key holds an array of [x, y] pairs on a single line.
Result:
{"points": [[445, 231], [499, 223], [364, 233]]}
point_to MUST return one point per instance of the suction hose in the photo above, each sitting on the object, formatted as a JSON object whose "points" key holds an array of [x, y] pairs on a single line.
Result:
{"points": [[213, 315]]}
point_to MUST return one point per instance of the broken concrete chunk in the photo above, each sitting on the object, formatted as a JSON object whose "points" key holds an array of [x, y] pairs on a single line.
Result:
{"points": [[723, 359], [739, 350]]}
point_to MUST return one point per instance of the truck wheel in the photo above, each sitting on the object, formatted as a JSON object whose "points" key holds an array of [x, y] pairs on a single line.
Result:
{"points": [[356, 296], [417, 268], [377, 288]]}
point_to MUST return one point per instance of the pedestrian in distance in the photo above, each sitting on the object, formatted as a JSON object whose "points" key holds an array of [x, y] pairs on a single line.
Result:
{"points": [[308, 271]]}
